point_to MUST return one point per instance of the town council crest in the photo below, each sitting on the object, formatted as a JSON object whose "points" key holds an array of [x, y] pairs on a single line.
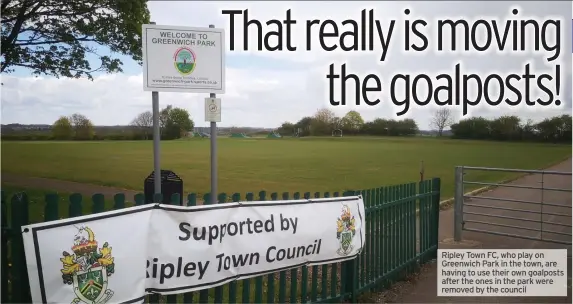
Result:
{"points": [[345, 231], [88, 268]]}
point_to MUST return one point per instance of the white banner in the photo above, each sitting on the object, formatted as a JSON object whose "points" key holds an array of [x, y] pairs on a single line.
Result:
{"points": [[120, 256]]}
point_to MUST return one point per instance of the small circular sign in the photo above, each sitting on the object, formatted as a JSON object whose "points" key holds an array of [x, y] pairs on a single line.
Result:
{"points": [[213, 107]]}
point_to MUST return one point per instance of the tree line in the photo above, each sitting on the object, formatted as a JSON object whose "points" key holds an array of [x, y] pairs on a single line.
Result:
{"points": [[325, 123], [555, 129], [174, 123]]}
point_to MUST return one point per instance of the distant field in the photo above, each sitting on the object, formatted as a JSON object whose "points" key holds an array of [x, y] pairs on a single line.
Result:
{"points": [[288, 164]]}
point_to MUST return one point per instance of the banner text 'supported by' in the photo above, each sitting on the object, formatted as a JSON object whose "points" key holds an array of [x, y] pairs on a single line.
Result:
{"points": [[123, 255], [246, 226]]}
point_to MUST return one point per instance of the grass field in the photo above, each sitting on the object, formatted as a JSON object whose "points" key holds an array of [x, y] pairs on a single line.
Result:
{"points": [[287, 164], [185, 67]]}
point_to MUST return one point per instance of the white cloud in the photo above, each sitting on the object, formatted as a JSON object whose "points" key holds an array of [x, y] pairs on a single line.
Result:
{"points": [[261, 96]]}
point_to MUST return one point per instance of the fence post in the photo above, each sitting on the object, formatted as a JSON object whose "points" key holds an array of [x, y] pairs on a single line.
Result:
{"points": [[421, 170], [4, 253], [436, 186], [458, 203], [20, 283], [350, 271], [157, 198]]}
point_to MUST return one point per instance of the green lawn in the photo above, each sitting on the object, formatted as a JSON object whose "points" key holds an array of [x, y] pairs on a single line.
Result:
{"points": [[276, 165]]}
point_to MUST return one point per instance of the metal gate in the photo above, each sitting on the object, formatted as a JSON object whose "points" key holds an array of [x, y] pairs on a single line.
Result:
{"points": [[538, 208]]}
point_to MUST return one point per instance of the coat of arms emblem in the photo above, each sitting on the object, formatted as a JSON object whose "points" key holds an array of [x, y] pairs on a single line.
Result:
{"points": [[345, 231], [88, 268]]}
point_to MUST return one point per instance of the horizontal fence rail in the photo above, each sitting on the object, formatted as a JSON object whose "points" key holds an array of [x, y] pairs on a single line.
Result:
{"points": [[539, 209], [547, 172], [401, 233]]}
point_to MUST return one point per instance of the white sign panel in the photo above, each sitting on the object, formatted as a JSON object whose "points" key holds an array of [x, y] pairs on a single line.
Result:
{"points": [[183, 59], [120, 256], [213, 109]]}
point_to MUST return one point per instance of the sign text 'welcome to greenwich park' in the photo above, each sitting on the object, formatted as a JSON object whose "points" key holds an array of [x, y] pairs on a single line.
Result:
{"points": [[183, 59]]}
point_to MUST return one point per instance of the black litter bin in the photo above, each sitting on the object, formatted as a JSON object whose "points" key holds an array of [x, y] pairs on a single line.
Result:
{"points": [[170, 183]]}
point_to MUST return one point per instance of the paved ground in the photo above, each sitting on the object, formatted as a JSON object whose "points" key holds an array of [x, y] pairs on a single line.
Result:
{"points": [[547, 216], [423, 290]]}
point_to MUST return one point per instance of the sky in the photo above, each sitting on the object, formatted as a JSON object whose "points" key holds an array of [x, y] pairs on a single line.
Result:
{"points": [[265, 89]]}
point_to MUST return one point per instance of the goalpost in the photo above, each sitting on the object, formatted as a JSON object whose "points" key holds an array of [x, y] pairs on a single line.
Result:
{"points": [[296, 133], [337, 131]]}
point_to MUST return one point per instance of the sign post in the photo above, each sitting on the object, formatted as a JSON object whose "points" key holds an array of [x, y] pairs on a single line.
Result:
{"points": [[213, 139], [213, 115], [156, 141], [187, 60]]}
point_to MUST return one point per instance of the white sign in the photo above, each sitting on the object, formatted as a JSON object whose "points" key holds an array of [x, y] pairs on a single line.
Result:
{"points": [[213, 109], [122, 255], [183, 59], [502, 272]]}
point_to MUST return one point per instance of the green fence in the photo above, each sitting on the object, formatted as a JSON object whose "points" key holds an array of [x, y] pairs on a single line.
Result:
{"points": [[401, 233]]}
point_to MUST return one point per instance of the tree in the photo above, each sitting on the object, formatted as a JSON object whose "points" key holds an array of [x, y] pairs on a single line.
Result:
{"points": [[164, 116], [286, 129], [143, 123], [378, 126], [406, 127], [322, 122], [177, 124], [303, 126], [82, 126], [505, 128], [324, 115], [55, 37], [352, 122], [472, 128], [336, 123], [564, 127], [555, 129], [442, 119], [527, 130], [62, 129]]}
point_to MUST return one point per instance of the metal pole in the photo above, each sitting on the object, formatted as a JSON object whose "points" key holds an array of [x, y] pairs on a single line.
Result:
{"points": [[156, 141], [542, 198], [422, 171], [458, 203], [213, 138]]}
